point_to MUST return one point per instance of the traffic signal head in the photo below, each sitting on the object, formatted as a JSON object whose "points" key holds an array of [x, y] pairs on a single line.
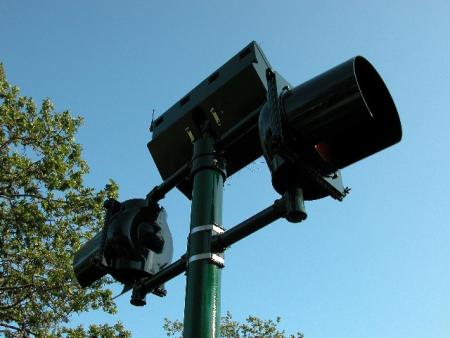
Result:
{"points": [[135, 243], [325, 124], [306, 133]]}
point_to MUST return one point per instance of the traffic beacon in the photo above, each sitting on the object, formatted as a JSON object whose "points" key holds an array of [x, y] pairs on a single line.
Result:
{"points": [[310, 132], [134, 243]]}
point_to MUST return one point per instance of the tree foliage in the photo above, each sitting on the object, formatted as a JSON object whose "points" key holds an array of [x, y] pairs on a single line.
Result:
{"points": [[252, 327], [46, 212]]}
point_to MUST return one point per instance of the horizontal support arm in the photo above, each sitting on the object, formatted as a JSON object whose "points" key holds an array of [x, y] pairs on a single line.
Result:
{"points": [[249, 226], [171, 182], [283, 207], [146, 285]]}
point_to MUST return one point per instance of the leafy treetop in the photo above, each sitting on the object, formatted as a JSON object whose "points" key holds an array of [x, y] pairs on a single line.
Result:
{"points": [[46, 212], [252, 327]]}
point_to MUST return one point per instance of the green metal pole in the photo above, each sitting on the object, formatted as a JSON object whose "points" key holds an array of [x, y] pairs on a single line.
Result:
{"points": [[202, 302]]}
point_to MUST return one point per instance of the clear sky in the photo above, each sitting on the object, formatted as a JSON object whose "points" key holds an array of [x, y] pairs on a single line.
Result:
{"points": [[376, 264]]}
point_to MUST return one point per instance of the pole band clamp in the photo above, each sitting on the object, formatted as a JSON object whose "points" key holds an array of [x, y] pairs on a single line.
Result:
{"points": [[214, 228], [211, 257]]}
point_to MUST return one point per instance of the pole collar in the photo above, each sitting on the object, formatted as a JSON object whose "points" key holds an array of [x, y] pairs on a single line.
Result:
{"points": [[209, 161], [205, 156]]}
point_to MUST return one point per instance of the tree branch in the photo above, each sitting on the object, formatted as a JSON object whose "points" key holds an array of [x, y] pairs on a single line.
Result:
{"points": [[12, 327], [10, 306], [13, 196], [15, 287]]}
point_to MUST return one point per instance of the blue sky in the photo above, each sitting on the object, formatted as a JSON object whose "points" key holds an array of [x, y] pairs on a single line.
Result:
{"points": [[375, 265]]}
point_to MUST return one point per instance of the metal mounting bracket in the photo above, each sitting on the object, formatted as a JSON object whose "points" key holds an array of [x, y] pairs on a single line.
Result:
{"points": [[214, 258]]}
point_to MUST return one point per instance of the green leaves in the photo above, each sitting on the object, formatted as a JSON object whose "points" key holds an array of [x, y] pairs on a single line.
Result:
{"points": [[253, 327], [46, 212], [97, 331]]}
